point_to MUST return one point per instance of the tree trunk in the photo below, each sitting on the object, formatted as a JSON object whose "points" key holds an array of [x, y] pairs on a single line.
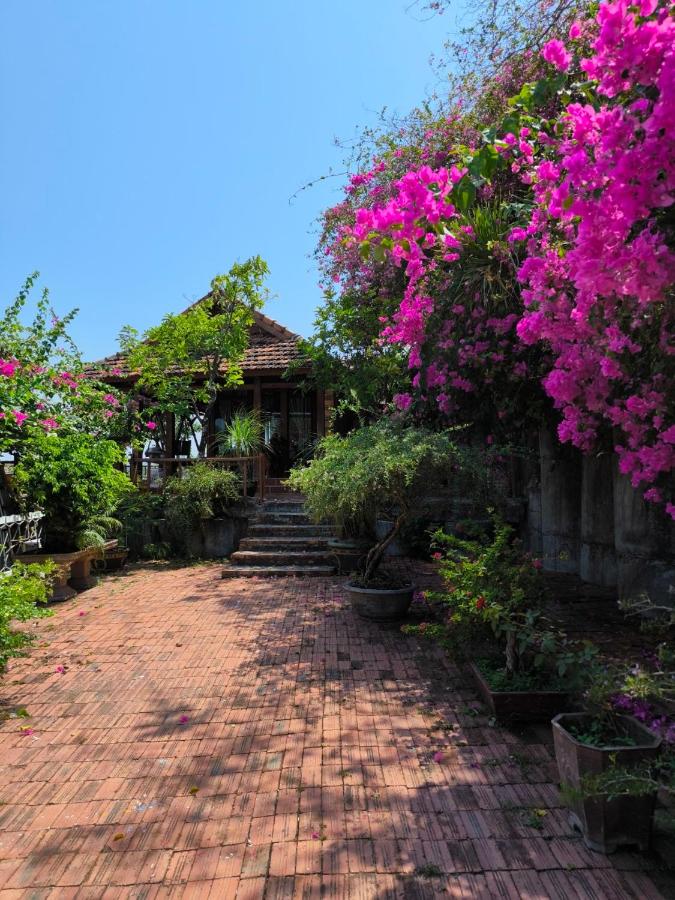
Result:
{"points": [[376, 553]]}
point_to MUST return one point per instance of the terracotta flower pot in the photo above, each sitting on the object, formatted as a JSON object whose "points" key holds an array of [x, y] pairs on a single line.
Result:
{"points": [[605, 824], [380, 604]]}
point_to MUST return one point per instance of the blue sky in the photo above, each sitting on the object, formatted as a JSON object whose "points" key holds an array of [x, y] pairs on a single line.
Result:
{"points": [[146, 144]]}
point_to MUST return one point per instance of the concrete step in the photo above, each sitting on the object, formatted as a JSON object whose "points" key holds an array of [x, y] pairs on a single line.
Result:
{"points": [[280, 558], [284, 506], [274, 530], [287, 542], [282, 518], [234, 571]]}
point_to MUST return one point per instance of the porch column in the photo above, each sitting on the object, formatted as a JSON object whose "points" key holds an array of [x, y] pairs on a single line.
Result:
{"points": [[283, 406], [320, 412]]}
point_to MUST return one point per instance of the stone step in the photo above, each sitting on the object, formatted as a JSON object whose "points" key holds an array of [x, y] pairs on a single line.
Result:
{"points": [[284, 506], [273, 530], [276, 571], [288, 542], [280, 558], [282, 518]]}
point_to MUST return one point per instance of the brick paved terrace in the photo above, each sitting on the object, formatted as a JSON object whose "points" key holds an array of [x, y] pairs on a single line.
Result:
{"points": [[195, 737]]}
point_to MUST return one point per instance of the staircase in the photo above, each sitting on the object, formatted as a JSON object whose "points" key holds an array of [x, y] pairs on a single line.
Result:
{"points": [[282, 541]]}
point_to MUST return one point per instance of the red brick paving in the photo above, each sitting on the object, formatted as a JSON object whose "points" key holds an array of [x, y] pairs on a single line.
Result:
{"points": [[252, 739]]}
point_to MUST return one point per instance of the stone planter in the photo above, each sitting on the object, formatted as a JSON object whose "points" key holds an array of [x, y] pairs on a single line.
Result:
{"points": [[73, 570], [605, 824], [520, 706], [379, 604], [216, 538]]}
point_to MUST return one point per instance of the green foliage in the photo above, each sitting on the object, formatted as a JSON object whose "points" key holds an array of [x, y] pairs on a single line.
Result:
{"points": [[184, 361], [495, 585], [348, 356], [48, 388], [203, 491], [380, 469], [24, 590], [77, 481], [244, 434]]}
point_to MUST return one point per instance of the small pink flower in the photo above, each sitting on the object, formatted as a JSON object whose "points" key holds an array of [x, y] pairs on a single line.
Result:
{"points": [[26, 731], [437, 555], [537, 563], [19, 417], [81, 612], [438, 756], [60, 669], [108, 413], [315, 835], [151, 425], [49, 424], [111, 399], [184, 720], [8, 367]]}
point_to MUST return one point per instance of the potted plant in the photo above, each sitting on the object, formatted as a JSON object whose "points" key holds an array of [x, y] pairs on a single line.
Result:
{"points": [[381, 470], [202, 510], [76, 479], [524, 669], [609, 756], [244, 435]]}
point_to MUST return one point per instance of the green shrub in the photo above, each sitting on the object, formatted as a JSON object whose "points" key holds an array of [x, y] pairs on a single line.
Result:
{"points": [[77, 480], [203, 491], [381, 469], [23, 592]]}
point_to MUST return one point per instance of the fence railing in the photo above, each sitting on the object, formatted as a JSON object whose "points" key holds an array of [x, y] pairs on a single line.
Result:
{"points": [[151, 472], [19, 534]]}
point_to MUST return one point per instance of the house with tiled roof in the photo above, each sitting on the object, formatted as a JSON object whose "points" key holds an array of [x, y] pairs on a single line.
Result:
{"points": [[292, 415]]}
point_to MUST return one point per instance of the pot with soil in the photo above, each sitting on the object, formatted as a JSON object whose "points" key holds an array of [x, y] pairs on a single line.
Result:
{"points": [[586, 749], [381, 599], [527, 698]]}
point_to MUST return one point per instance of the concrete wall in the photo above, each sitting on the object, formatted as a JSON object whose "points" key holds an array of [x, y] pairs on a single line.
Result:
{"points": [[583, 517]]}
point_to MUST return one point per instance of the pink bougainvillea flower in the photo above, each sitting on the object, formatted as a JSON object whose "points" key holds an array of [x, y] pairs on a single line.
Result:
{"points": [[60, 669], [151, 425], [315, 835], [111, 399], [108, 413], [184, 719], [26, 730], [481, 603], [537, 563], [437, 555], [438, 756], [8, 367], [19, 417], [49, 424], [555, 53], [81, 612]]}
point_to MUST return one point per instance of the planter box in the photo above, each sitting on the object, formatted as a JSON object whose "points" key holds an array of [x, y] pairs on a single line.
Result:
{"points": [[606, 824], [520, 706], [380, 605], [73, 570], [216, 538]]}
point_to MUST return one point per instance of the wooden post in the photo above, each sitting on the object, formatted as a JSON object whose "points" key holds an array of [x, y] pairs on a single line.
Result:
{"points": [[257, 395], [283, 408]]}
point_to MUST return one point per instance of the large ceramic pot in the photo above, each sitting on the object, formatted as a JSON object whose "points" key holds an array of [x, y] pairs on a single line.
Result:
{"points": [[380, 604], [520, 706], [605, 824]]}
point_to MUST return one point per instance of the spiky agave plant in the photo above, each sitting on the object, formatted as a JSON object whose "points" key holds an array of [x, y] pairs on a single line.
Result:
{"points": [[244, 434]]}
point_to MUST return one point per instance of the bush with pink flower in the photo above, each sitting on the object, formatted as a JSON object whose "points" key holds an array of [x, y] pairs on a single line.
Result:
{"points": [[537, 254]]}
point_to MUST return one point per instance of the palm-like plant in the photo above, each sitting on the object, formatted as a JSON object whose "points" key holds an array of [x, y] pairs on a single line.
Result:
{"points": [[244, 434]]}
